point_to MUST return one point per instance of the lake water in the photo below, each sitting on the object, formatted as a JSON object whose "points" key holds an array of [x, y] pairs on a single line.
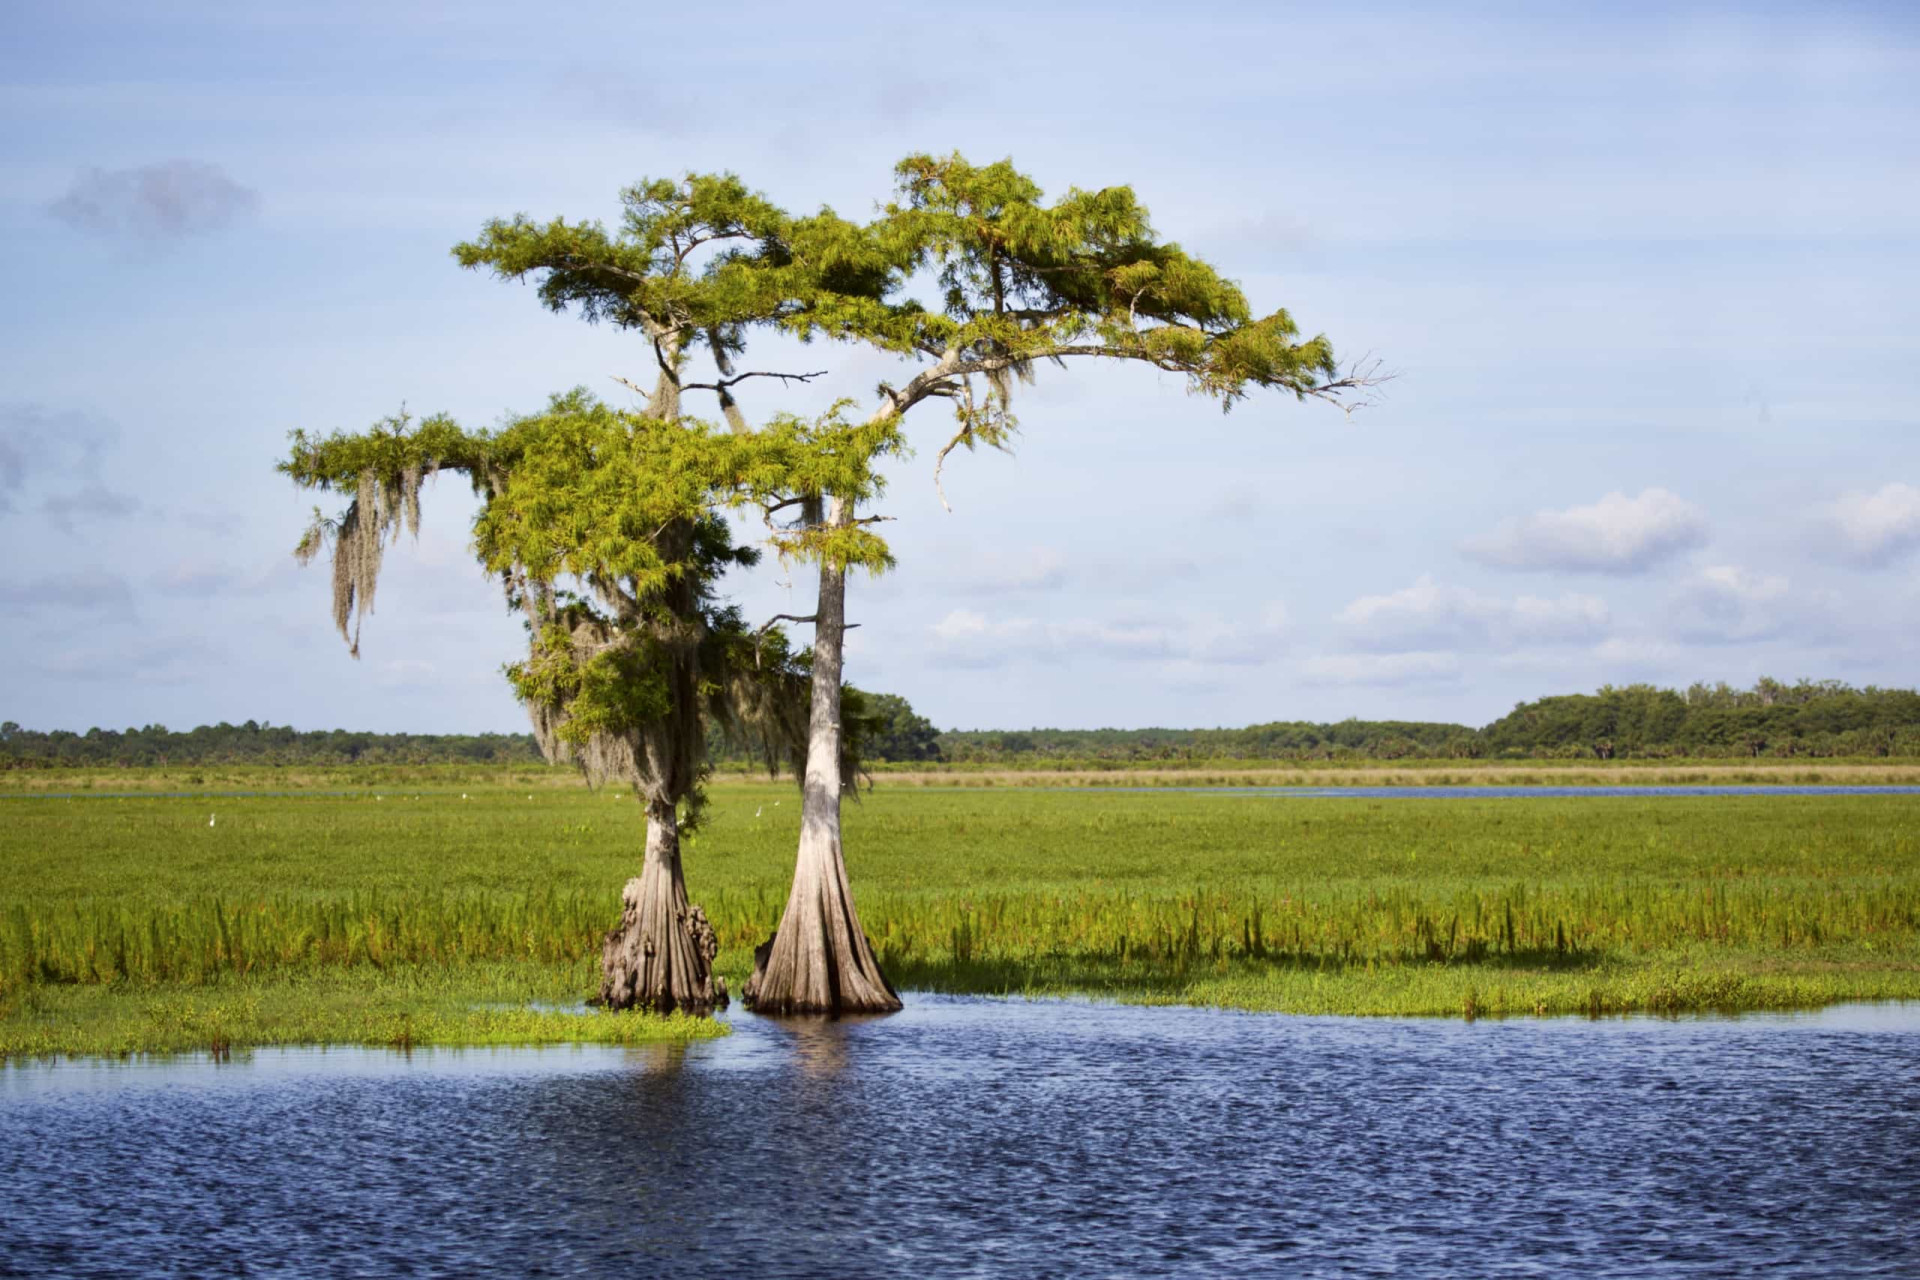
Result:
{"points": [[997, 1138]]}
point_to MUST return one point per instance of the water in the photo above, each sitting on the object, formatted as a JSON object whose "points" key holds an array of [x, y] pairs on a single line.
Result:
{"points": [[984, 1137]]}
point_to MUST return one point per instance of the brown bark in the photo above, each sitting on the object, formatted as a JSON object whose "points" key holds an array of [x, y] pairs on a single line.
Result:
{"points": [[819, 960], [660, 955]]}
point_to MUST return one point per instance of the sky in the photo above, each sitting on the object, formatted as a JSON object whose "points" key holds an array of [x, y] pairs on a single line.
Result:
{"points": [[1647, 279]]}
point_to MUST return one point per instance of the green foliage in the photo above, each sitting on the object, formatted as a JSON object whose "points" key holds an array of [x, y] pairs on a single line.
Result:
{"points": [[1296, 740], [609, 496], [699, 256], [255, 742], [602, 525], [616, 691], [828, 457], [1086, 275], [390, 448], [1809, 718], [897, 734]]}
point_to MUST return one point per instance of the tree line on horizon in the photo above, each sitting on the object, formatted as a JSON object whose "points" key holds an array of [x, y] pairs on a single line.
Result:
{"points": [[1823, 718]]}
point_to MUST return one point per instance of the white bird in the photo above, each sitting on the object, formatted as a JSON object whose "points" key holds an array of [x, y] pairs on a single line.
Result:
{"points": [[463, 795], [756, 812], [776, 804], [210, 821]]}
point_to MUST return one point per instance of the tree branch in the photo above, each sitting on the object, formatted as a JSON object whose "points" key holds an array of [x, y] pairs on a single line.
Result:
{"points": [[1363, 375], [724, 383], [788, 502], [760, 633], [769, 624]]}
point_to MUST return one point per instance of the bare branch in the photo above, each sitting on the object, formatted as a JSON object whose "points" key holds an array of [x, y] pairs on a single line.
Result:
{"points": [[1363, 376], [788, 502], [770, 623], [724, 383]]}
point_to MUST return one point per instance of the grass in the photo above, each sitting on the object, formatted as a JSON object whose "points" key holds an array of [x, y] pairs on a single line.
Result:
{"points": [[393, 915], [398, 1008]]}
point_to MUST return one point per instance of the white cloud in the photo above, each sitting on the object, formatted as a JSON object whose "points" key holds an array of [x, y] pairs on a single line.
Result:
{"points": [[1429, 615], [1125, 638], [1725, 604], [1617, 534], [1033, 569], [1381, 668], [966, 638], [1873, 528]]}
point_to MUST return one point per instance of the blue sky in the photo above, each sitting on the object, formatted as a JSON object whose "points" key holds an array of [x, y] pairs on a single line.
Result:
{"points": [[1649, 278]]}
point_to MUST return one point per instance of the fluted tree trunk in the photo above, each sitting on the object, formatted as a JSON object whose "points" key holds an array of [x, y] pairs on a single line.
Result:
{"points": [[819, 960], [660, 955]]}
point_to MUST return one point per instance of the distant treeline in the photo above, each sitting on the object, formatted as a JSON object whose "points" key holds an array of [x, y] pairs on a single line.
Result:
{"points": [[256, 743], [1809, 718], [1282, 740], [1820, 718]]}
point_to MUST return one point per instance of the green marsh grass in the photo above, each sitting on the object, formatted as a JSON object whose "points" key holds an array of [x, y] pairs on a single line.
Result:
{"points": [[1335, 905], [469, 1005]]}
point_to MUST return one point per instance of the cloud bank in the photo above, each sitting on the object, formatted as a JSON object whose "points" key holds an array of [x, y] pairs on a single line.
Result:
{"points": [[1871, 529], [1617, 534], [1433, 616], [965, 638]]}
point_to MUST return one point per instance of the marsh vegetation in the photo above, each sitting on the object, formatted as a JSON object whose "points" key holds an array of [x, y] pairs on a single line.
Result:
{"points": [[432, 904]]}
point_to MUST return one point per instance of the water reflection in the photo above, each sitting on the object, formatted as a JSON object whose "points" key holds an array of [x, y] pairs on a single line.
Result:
{"points": [[820, 1048], [968, 1136], [655, 1059]]}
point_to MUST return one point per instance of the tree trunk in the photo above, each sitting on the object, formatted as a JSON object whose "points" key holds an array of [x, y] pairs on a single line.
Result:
{"points": [[819, 960], [660, 955]]}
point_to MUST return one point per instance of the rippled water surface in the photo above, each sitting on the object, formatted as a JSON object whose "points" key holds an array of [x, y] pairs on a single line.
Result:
{"points": [[983, 1137]]}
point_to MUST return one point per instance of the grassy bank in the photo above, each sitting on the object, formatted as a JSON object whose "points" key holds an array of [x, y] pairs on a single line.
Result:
{"points": [[386, 915], [499, 1004]]}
